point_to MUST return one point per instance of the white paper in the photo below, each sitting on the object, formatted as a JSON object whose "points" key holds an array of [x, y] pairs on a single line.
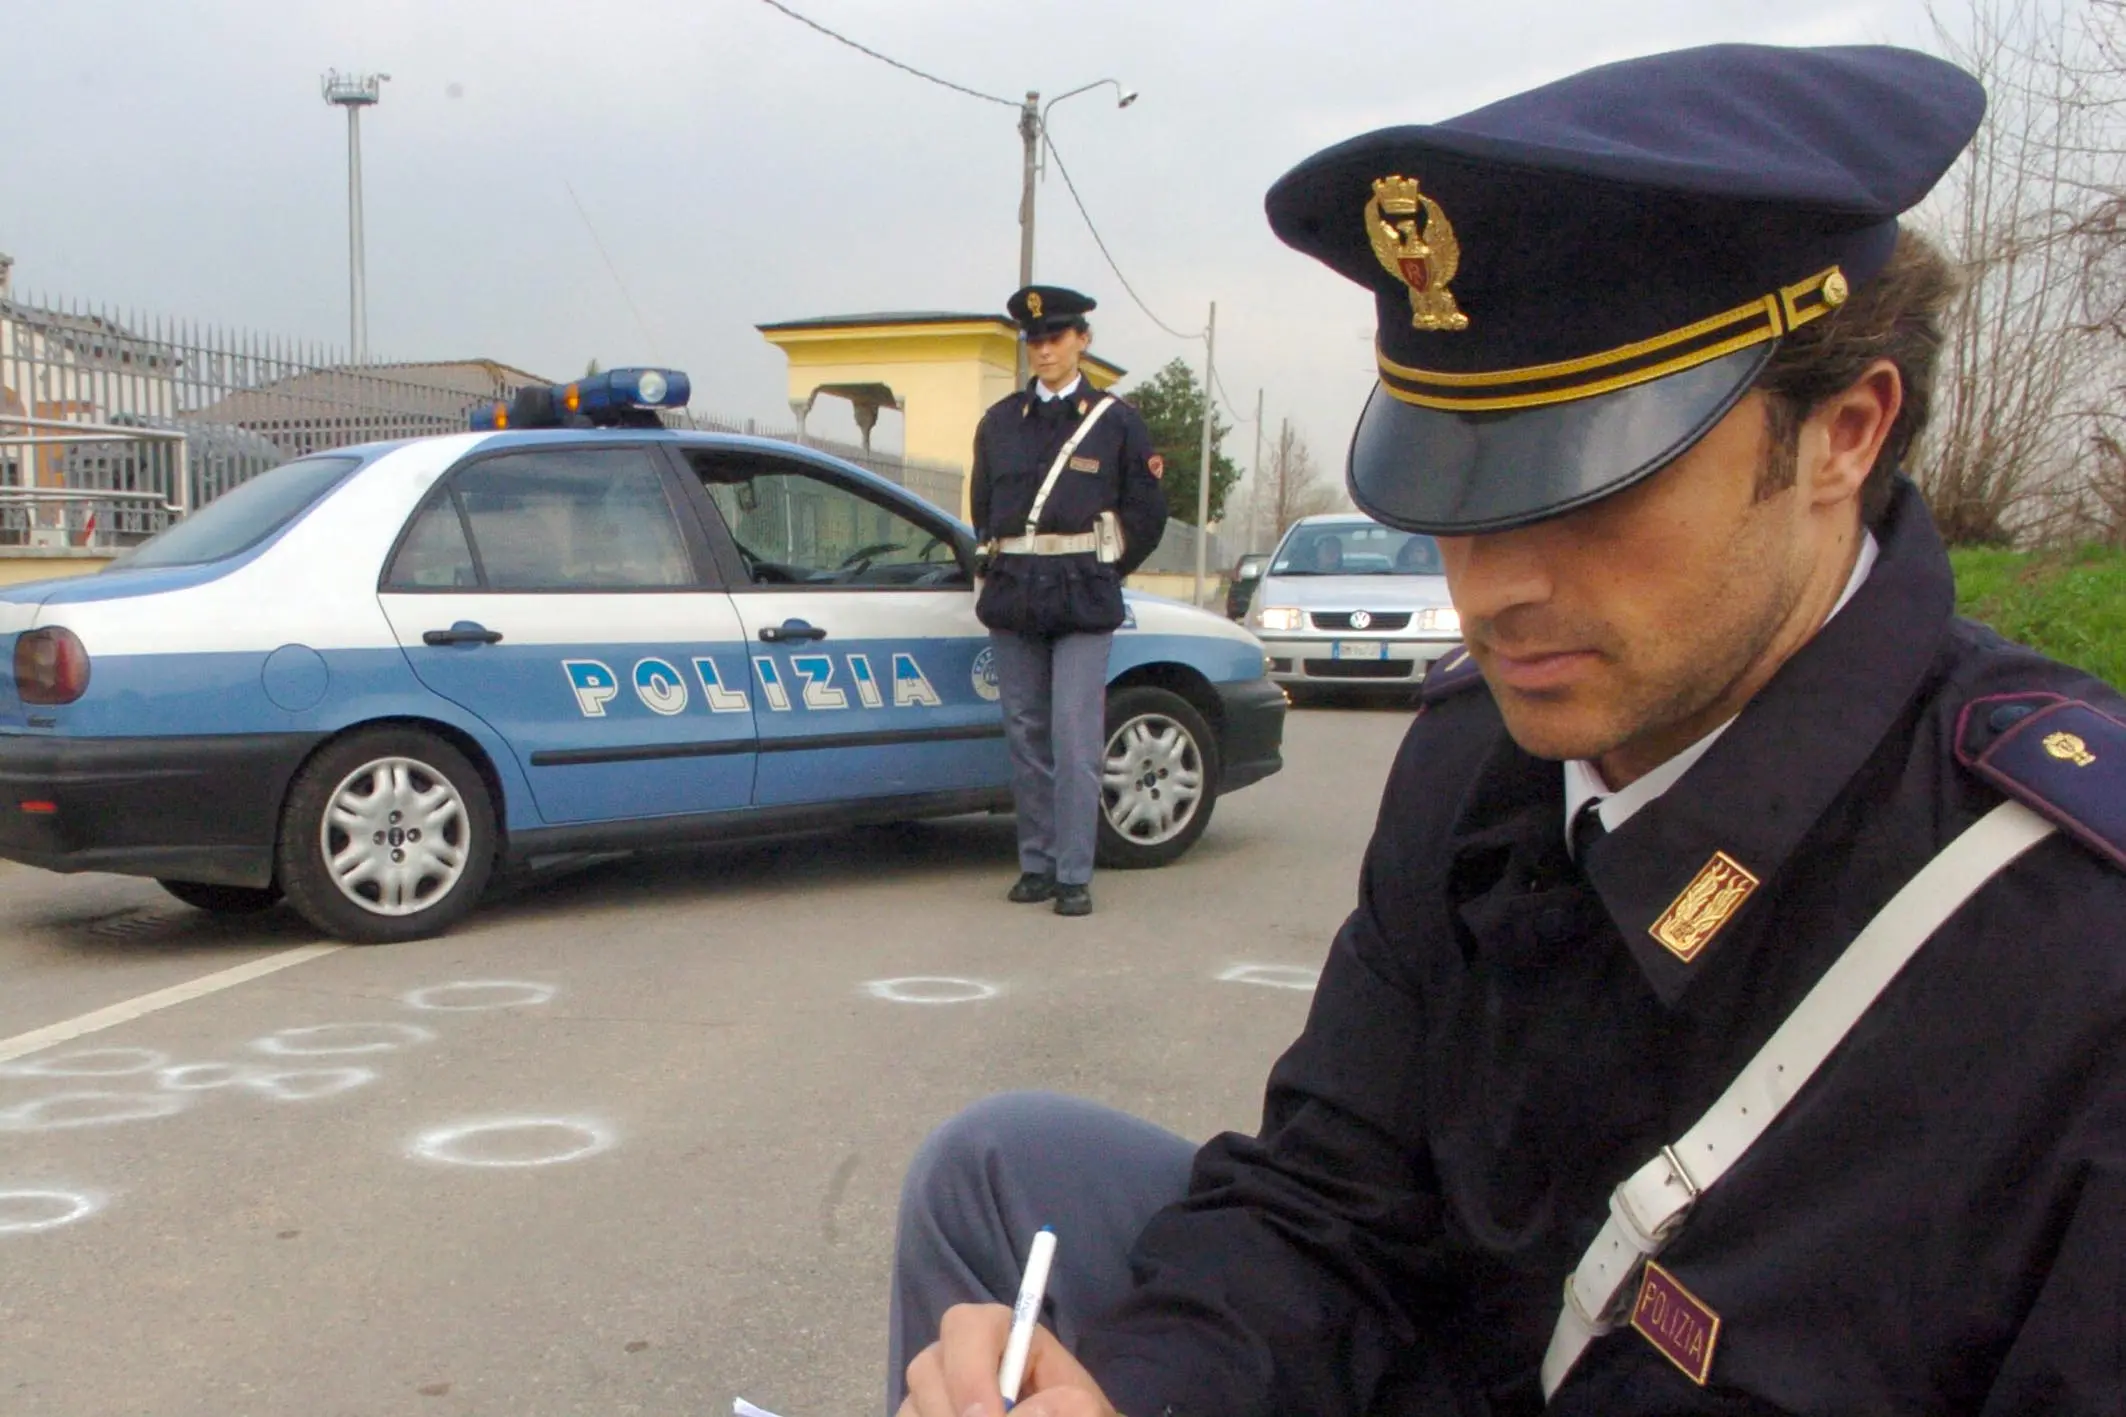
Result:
{"points": [[742, 1408]]}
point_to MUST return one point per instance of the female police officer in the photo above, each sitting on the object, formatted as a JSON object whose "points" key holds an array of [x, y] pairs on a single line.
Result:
{"points": [[1066, 503]]}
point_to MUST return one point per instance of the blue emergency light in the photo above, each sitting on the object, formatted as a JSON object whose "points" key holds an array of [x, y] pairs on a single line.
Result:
{"points": [[614, 398]]}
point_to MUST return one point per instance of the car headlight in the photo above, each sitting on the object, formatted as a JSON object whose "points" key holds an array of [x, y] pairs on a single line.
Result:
{"points": [[1279, 617], [1440, 617]]}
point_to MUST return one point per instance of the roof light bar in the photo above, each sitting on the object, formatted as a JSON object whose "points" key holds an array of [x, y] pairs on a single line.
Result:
{"points": [[616, 398]]}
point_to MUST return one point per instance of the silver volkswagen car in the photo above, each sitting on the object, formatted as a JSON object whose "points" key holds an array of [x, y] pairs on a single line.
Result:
{"points": [[1349, 602]]}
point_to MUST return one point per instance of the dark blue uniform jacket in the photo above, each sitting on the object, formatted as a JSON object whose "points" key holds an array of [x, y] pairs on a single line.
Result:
{"points": [[1936, 1223], [1015, 445]]}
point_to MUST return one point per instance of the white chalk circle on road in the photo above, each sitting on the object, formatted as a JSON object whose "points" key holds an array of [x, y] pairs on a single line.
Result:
{"points": [[89, 1063], [926, 989], [26, 1212], [1272, 976], [513, 1142], [474, 995], [202, 1077], [324, 1040], [67, 1111], [308, 1084]]}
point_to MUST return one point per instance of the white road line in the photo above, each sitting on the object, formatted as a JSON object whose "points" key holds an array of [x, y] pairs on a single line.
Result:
{"points": [[38, 1039]]}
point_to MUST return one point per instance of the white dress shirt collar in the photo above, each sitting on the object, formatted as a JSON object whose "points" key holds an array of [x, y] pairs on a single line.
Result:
{"points": [[1041, 390]]}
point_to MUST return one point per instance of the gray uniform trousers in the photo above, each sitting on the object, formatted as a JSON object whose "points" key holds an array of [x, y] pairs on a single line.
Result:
{"points": [[984, 1182], [1055, 720]]}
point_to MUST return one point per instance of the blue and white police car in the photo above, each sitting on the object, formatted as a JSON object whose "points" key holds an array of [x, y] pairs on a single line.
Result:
{"points": [[370, 678]]}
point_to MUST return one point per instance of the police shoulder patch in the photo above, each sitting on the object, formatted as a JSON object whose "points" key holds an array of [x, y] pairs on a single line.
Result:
{"points": [[1451, 673], [2062, 758]]}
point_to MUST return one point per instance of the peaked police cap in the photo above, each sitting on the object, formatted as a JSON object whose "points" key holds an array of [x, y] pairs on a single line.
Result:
{"points": [[1575, 284], [1045, 309]]}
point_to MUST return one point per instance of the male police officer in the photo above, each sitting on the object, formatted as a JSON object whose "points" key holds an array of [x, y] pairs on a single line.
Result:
{"points": [[1067, 504], [1787, 1077]]}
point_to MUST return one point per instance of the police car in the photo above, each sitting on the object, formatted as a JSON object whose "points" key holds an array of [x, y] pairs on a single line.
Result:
{"points": [[370, 678]]}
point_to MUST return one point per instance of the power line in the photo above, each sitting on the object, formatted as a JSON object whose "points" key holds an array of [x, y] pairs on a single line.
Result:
{"points": [[886, 59], [1097, 241], [1061, 167], [1226, 398], [648, 339]]}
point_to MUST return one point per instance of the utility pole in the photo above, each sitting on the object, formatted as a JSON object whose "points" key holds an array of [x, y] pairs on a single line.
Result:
{"points": [[1203, 470], [1033, 128], [1284, 473], [355, 93], [1030, 133], [1255, 478]]}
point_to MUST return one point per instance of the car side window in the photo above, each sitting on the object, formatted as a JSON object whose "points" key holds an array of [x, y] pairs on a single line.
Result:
{"points": [[435, 553], [570, 519], [795, 527]]}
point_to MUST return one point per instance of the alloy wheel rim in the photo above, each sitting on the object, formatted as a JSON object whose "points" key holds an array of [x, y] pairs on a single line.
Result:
{"points": [[396, 836], [1151, 784]]}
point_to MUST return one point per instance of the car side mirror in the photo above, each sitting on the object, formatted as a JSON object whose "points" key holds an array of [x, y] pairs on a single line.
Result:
{"points": [[747, 497]]}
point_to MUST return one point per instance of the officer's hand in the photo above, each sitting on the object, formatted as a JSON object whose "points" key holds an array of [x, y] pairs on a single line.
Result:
{"points": [[957, 1375]]}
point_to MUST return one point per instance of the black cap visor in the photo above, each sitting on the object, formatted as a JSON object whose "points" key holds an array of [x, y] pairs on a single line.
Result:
{"points": [[1052, 325], [1456, 474]]}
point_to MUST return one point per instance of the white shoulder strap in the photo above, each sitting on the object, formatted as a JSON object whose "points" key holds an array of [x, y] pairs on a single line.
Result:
{"points": [[1048, 484], [1647, 1210]]}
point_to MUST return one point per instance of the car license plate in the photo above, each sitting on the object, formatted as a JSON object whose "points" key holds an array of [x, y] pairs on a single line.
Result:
{"points": [[1359, 649]]}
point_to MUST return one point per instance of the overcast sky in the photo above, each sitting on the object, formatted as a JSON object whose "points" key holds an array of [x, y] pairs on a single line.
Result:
{"points": [[741, 169]]}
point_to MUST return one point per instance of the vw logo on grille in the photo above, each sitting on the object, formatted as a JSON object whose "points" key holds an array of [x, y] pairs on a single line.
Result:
{"points": [[1360, 619]]}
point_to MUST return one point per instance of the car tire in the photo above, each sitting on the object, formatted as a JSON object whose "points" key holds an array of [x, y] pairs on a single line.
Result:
{"points": [[224, 900], [1156, 742], [431, 829]]}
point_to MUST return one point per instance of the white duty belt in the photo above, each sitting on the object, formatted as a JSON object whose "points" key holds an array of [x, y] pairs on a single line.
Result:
{"points": [[1105, 542], [1650, 1206], [1047, 543]]}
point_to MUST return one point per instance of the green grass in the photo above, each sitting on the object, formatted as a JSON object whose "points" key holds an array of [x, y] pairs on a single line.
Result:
{"points": [[2070, 605]]}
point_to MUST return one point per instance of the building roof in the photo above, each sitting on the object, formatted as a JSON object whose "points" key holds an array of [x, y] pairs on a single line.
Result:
{"points": [[889, 317], [373, 396]]}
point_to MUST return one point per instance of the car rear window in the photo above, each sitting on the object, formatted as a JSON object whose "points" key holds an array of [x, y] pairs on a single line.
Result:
{"points": [[243, 516]]}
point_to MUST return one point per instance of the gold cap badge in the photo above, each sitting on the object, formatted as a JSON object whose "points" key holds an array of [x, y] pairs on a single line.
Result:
{"points": [[1033, 303], [1426, 260], [2069, 748], [1695, 916]]}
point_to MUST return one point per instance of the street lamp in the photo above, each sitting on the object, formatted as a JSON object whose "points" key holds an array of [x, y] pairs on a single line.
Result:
{"points": [[1033, 123], [355, 92]]}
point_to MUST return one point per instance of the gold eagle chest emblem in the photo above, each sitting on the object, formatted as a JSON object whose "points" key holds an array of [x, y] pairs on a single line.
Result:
{"points": [[1424, 258]]}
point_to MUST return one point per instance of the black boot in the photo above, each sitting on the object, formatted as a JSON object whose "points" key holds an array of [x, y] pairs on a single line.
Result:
{"points": [[1074, 900], [1032, 888]]}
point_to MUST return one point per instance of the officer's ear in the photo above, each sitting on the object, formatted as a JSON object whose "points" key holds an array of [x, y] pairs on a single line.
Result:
{"points": [[1844, 434]]}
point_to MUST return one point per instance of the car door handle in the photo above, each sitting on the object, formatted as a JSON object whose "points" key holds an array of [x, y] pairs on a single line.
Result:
{"points": [[790, 630], [465, 632]]}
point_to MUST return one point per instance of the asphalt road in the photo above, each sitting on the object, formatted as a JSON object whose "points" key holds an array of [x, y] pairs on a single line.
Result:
{"points": [[630, 1140]]}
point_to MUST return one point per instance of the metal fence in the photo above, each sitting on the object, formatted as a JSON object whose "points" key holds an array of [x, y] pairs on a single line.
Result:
{"points": [[113, 424], [937, 483], [1176, 554]]}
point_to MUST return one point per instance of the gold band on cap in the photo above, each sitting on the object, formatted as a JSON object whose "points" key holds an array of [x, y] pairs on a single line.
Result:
{"points": [[1535, 385]]}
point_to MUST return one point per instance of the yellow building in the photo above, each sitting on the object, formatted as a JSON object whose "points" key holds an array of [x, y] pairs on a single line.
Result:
{"points": [[940, 369]]}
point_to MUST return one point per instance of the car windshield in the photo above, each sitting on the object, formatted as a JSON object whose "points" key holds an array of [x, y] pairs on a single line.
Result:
{"points": [[1356, 549], [241, 517]]}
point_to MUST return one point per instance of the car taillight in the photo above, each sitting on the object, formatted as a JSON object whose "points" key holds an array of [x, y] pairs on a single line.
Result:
{"points": [[51, 666]]}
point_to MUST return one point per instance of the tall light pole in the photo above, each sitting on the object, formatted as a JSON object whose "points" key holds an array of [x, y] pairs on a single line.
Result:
{"points": [[1033, 123], [355, 92]]}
